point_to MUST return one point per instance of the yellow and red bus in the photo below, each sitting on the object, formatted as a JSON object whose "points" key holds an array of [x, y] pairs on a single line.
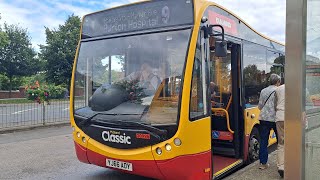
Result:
{"points": [[170, 89]]}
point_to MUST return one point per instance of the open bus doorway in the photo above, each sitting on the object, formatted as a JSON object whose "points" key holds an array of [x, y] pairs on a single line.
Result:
{"points": [[225, 96]]}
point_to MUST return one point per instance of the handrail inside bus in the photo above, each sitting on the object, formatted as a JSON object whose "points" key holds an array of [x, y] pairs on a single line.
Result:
{"points": [[227, 117], [229, 103]]}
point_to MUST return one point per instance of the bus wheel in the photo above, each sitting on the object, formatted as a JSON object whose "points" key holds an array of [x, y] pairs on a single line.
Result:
{"points": [[254, 145]]}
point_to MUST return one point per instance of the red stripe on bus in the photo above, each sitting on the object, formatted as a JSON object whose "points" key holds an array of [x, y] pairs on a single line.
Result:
{"points": [[146, 168], [176, 168], [187, 167], [81, 153], [195, 165], [246, 147]]}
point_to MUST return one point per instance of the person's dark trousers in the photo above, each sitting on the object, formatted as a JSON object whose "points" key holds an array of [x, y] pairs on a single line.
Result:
{"points": [[265, 127]]}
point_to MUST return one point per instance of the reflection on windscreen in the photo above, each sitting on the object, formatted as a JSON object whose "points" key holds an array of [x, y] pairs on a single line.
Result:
{"points": [[136, 76]]}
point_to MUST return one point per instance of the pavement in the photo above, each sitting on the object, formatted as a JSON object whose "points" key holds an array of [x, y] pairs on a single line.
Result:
{"points": [[312, 151], [252, 171], [312, 162]]}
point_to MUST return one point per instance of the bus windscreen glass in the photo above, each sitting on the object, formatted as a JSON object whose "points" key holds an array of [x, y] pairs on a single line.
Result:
{"points": [[137, 17], [134, 78]]}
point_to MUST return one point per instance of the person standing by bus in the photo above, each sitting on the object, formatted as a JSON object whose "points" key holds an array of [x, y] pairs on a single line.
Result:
{"points": [[267, 117], [280, 108]]}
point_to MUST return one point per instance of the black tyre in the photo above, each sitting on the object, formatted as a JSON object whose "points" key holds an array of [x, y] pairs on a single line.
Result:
{"points": [[254, 145]]}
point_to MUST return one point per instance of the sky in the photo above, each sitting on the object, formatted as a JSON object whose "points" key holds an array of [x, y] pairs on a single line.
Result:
{"points": [[265, 16]]}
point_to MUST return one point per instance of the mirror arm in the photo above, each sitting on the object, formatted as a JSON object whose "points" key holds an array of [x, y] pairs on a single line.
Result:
{"points": [[219, 34], [205, 31]]}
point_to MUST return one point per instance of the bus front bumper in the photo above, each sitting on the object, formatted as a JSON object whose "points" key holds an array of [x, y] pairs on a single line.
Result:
{"points": [[147, 168], [181, 167]]}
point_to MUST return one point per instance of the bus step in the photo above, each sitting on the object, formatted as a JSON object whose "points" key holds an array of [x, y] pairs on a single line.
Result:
{"points": [[224, 151]]}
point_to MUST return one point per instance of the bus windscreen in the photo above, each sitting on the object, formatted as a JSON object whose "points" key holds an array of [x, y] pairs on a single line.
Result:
{"points": [[137, 17]]}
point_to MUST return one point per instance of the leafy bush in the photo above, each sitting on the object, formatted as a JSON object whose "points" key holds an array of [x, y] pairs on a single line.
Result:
{"points": [[45, 92], [31, 80], [5, 82], [56, 92], [38, 93]]}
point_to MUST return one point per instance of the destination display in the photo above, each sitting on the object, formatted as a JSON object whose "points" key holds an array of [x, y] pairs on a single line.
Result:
{"points": [[229, 25], [136, 17]]}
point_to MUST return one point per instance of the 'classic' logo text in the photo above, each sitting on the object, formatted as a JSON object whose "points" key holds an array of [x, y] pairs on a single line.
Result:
{"points": [[116, 137]]}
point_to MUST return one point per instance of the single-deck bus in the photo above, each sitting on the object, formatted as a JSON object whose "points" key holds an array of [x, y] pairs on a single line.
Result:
{"points": [[169, 89]]}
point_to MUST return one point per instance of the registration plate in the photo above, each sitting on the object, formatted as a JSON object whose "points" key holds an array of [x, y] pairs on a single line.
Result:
{"points": [[119, 164]]}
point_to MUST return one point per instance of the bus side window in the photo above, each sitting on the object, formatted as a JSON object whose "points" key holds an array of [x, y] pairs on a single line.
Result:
{"points": [[254, 72], [196, 99], [275, 63], [196, 105]]}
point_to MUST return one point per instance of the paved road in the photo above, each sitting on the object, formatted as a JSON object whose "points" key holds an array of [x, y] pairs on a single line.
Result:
{"points": [[13, 115], [48, 153]]}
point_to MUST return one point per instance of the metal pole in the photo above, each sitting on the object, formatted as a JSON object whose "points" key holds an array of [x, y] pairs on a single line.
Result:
{"points": [[110, 74], [43, 114], [87, 83], [295, 89]]}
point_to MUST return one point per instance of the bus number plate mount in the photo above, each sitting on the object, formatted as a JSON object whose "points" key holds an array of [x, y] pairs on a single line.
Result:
{"points": [[119, 164]]}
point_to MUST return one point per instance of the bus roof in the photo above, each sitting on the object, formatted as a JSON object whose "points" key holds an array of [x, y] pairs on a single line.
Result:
{"points": [[230, 12], [197, 3]]}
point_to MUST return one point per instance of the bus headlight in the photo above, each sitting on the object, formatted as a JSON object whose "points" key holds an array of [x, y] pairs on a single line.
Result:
{"points": [[159, 151], [78, 134], [83, 139], [177, 141], [168, 147]]}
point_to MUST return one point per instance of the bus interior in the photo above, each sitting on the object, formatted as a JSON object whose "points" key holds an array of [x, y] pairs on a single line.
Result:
{"points": [[226, 123]]}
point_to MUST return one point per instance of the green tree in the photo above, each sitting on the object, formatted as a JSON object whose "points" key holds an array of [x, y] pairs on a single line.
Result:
{"points": [[60, 50], [5, 84], [278, 65], [252, 75], [3, 37], [17, 58]]}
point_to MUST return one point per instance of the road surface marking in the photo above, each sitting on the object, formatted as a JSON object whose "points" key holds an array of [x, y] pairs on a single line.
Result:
{"points": [[19, 112]]}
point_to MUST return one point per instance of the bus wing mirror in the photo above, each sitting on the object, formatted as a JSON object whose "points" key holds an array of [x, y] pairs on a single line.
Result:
{"points": [[220, 45], [221, 48]]}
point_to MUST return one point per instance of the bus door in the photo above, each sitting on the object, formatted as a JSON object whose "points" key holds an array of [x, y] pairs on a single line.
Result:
{"points": [[225, 103]]}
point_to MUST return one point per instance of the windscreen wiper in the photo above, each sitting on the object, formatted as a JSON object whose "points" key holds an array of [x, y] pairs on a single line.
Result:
{"points": [[84, 36], [85, 121]]}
